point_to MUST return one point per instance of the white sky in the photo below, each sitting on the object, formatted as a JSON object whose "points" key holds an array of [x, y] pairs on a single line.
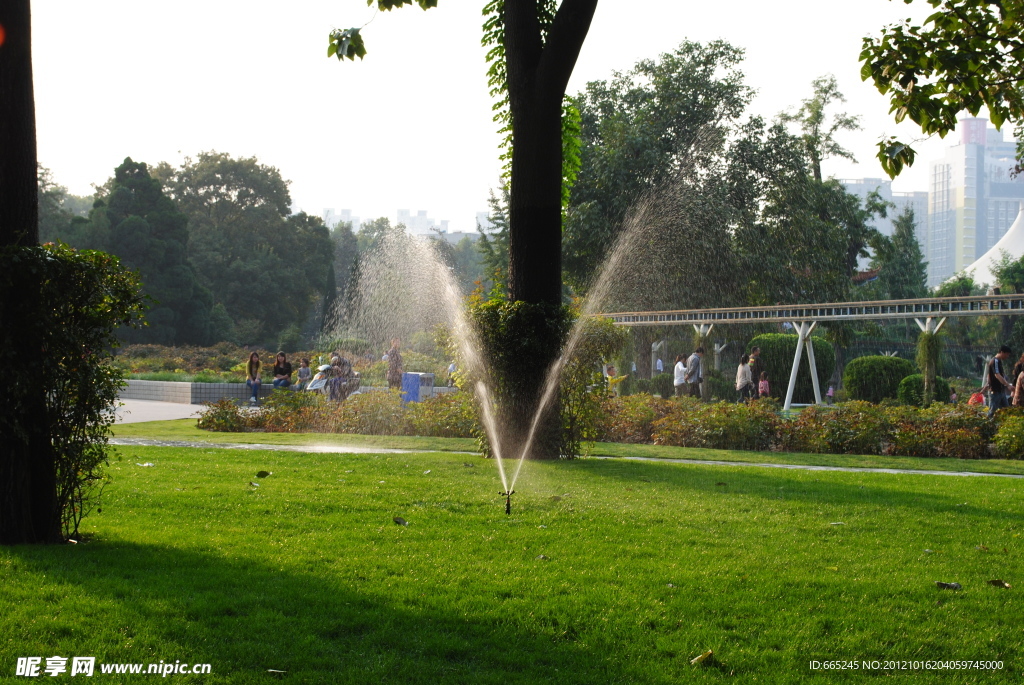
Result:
{"points": [[410, 126]]}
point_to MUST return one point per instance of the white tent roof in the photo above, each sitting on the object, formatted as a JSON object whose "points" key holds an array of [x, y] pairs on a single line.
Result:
{"points": [[1012, 243]]}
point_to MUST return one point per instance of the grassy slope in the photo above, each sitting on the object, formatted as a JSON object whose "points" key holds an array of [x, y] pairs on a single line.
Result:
{"points": [[649, 564], [185, 429]]}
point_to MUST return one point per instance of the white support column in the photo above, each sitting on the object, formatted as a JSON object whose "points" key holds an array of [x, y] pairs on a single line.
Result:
{"points": [[703, 330], [718, 351], [814, 366], [804, 330], [929, 325]]}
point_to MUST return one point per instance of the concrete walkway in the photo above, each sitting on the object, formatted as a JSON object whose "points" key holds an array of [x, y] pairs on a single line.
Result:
{"points": [[137, 411]]}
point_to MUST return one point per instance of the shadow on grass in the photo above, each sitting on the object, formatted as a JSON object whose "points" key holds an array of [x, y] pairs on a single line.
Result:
{"points": [[157, 602], [836, 488]]}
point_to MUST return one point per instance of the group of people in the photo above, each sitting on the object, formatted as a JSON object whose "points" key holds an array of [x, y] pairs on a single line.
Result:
{"points": [[751, 378], [1005, 389], [282, 374]]}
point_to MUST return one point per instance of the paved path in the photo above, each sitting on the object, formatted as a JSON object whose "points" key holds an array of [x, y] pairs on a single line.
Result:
{"points": [[325, 449], [808, 467], [353, 449], [137, 411]]}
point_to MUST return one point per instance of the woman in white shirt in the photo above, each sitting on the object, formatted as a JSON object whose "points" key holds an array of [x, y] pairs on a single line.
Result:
{"points": [[744, 383], [679, 380]]}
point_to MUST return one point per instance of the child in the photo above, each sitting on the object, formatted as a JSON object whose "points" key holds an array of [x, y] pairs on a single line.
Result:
{"points": [[762, 386], [830, 394], [305, 374]]}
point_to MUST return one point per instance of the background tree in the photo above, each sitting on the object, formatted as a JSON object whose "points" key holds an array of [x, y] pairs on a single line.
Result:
{"points": [[265, 266], [493, 245], [534, 46], [819, 127], [966, 55], [903, 272], [641, 129]]}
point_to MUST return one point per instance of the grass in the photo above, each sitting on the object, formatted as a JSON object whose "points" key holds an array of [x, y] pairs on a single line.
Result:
{"points": [[644, 566], [185, 429]]}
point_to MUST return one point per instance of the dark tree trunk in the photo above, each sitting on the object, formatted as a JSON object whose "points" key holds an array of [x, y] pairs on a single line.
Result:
{"points": [[28, 480], [538, 74]]}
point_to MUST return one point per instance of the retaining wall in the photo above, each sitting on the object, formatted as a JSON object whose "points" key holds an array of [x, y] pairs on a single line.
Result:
{"points": [[198, 393]]}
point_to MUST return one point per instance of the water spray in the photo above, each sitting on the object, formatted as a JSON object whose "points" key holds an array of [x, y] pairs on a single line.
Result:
{"points": [[508, 501]]}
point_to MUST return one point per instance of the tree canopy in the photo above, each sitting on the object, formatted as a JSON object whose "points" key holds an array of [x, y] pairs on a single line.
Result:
{"points": [[966, 55]]}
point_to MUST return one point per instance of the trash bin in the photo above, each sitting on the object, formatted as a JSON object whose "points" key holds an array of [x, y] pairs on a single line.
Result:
{"points": [[417, 387]]}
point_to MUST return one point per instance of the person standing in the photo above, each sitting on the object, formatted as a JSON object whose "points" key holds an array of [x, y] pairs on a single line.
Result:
{"points": [[659, 366], [394, 365], [997, 383], [679, 376], [282, 371], [830, 395], [756, 365], [252, 380], [744, 383], [694, 373]]}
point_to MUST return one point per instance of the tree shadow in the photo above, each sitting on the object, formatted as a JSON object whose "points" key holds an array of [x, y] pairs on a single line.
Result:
{"points": [[800, 485], [148, 602]]}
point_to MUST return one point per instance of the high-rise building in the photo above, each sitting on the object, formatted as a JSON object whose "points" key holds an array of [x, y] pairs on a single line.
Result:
{"points": [[333, 218], [972, 198], [917, 200], [420, 223]]}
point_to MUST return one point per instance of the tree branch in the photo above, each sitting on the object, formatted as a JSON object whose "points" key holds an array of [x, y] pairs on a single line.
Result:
{"points": [[565, 39]]}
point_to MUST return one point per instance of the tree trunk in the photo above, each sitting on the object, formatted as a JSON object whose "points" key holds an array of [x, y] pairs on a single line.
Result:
{"points": [[538, 73], [28, 479]]}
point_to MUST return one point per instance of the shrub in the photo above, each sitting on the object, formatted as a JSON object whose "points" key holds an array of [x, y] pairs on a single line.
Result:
{"points": [[777, 352], [719, 386], [449, 415], [877, 377], [849, 428], [631, 419], [719, 425], [56, 419], [663, 384], [1009, 439], [911, 389], [223, 415]]}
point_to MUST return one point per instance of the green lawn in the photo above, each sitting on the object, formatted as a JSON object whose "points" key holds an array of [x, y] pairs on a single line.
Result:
{"points": [[185, 429], [645, 565]]}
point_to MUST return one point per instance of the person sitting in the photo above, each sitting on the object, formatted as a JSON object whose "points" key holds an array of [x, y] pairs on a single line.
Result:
{"points": [[282, 371], [252, 380], [305, 373]]}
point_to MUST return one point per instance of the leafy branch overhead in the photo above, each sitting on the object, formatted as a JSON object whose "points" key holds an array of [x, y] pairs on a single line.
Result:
{"points": [[965, 56], [349, 43]]}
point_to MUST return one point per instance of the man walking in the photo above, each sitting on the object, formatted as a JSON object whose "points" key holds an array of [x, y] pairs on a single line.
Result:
{"points": [[997, 383], [694, 372]]}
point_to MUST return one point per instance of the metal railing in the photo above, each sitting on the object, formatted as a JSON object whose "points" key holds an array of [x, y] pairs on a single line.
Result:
{"points": [[973, 305]]}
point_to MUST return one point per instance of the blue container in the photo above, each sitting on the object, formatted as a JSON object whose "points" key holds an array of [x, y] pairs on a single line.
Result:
{"points": [[417, 387]]}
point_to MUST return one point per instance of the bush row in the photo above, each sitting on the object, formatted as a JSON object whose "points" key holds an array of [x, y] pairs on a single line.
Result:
{"points": [[942, 430], [958, 431]]}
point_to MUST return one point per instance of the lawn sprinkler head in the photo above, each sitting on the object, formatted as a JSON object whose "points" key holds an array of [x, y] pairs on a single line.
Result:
{"points": [[508, 501]]}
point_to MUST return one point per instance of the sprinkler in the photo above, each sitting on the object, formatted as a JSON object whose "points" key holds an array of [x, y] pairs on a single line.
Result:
{"points": [[508, 501]]}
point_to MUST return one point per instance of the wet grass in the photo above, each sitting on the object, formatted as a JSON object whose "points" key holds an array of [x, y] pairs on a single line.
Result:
{"points": [[185, 429], [606, 572]]}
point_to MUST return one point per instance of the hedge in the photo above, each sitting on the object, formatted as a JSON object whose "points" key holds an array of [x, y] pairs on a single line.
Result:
{"points": [[911, 390], [874, 378]]}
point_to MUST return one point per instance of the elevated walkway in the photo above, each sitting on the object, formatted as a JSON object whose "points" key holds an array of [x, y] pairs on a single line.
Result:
{"points": [[930, 313]]}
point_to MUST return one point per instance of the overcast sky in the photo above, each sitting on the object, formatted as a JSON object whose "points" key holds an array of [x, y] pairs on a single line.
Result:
{"points": [[410, 126]]}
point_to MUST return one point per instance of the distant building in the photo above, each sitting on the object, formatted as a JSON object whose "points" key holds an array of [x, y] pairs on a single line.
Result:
{"points": [[973, 200], [333, 218], [420, 223], [916, 200], [483, 220], [455, 237]]}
